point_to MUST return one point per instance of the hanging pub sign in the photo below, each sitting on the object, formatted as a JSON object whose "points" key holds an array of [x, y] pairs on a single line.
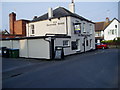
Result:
{"points": [[77, 28]]}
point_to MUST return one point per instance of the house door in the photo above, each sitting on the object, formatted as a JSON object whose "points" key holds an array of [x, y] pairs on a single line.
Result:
{"points": [[52, 49]]}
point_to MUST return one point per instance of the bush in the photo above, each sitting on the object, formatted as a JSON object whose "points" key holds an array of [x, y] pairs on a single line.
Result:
{"points": [[112, 42]]}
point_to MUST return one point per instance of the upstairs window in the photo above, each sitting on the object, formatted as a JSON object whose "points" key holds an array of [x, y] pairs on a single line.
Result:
{"points": [[32, 29], [84, 27], [115, 26], [33, 32], [91, 28]]}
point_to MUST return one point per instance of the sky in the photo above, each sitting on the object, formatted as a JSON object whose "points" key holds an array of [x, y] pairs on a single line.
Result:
{"points": [[95, 11]]}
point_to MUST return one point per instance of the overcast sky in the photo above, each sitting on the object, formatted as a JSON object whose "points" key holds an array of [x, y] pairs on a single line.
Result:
{"points": [[95, 11]]}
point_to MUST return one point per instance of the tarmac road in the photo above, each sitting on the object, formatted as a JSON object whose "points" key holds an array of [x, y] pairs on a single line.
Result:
{"points": [[97, 69]]}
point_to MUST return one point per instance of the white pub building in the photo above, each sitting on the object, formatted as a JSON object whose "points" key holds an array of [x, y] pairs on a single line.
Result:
{"points": [[58, 29]]}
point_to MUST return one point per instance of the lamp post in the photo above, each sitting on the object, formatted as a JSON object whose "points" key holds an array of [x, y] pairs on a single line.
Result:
{"points": [[85, 36], [116, 35]]}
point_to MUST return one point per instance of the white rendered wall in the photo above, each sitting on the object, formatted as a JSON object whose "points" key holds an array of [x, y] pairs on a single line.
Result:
{"points": [[16, 44], [53, 26], [7, 43], [88, 32], [34, 48], [110, 27], [38, 48], [23, 48]]}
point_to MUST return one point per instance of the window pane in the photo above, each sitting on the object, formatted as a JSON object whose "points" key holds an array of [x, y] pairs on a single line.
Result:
{"points": [[32, 31], [32, 26], [65, 43]]}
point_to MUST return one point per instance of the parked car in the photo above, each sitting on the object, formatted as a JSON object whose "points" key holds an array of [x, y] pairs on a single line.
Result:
{"points": [[101, 46]]}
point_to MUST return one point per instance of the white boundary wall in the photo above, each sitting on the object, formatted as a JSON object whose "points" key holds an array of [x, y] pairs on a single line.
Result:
{"points": [[29, 48]]}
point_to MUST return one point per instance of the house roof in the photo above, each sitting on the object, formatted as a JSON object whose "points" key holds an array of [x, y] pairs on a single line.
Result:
{"points": [[111, 22], [99, 26], [59, 12]]}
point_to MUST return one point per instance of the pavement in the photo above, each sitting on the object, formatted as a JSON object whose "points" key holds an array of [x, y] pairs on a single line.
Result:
{"points": [[96, 69]]}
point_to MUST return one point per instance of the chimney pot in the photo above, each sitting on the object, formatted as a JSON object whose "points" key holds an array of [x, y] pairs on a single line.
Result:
{"points": [[107, 19], [72, 7]]}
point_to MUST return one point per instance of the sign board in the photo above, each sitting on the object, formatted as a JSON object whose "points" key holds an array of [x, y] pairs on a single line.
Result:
{"points": [[77, 28], [58, 54]]}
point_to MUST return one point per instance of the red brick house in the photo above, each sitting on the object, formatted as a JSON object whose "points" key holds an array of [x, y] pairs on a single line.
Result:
{"points": [[17, 27]]}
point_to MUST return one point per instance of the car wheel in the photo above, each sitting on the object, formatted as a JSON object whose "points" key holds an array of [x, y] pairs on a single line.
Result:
{"points": [[103, 47]]}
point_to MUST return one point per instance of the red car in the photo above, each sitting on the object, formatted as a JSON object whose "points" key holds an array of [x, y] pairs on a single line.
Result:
{"points": [[101, 46]]}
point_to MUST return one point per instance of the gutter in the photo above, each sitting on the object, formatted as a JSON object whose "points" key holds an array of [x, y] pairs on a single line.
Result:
{"points": [[66, 26]]}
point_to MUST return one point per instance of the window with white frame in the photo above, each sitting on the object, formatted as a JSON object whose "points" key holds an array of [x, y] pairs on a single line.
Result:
{"points": [[91, 28], [112, 32], [65, 42], [84, 27], [78, 44], [32, 29]]}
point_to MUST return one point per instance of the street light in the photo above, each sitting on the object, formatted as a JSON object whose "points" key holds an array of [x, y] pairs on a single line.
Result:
{"points": [[116, 35]]}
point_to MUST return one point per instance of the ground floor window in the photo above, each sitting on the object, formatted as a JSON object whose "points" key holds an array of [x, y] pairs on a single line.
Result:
{"points": [[78, 44], [66, 43], [90, 42], [73, 45]]}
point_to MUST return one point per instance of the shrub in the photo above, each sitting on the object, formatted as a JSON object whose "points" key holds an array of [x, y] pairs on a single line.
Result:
{"points": [[112, 42]]}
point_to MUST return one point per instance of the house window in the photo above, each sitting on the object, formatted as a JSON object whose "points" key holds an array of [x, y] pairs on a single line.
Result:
{"points": [[90, 28], [83, 27], [66, 43], [115, 31], [115, 26], [97, 33], [74, 45], [77, 28], [32, 29], [112, 32], [90, 42], [78, 43]]}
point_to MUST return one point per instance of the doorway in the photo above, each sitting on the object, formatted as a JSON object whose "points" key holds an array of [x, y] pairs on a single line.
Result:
{"points": [[52, 49]]}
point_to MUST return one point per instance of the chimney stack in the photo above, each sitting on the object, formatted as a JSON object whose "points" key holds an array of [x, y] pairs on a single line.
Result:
{"points": [[72, 7], [107, 20], [12, 18], [50, 13], [34, 17]]}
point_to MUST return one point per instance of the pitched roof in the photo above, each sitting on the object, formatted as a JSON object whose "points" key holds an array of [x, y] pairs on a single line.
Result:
{"points": [[59, 12], [111, 22], [99, 26]]}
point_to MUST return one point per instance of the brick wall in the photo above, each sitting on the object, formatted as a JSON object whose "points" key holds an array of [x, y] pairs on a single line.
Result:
{"points": [[17, 27]]}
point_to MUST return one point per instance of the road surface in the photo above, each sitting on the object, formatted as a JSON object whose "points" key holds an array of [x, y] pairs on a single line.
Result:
{"points": [[97, 69]]}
